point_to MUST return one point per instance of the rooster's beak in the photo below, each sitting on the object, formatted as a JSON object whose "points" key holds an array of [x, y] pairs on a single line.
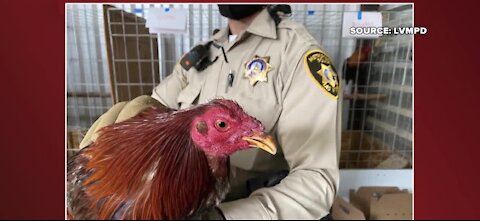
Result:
{"points": [[264, 142]]}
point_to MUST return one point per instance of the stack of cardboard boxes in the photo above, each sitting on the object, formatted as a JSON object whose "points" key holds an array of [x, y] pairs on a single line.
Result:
{"points": [[374, 203]]}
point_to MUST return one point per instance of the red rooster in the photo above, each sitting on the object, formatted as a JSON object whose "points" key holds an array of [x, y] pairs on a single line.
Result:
{"points": [[161, 164]]}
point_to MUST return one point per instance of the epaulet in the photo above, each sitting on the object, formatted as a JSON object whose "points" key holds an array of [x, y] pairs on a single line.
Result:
{"points": [[297, 29]]}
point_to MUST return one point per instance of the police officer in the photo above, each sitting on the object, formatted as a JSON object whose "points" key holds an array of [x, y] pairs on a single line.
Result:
{"points": [[279, 74]]}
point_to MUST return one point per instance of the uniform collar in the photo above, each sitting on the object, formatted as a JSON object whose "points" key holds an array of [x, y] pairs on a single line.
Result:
{"points": [[263, 25], [221, 35]]}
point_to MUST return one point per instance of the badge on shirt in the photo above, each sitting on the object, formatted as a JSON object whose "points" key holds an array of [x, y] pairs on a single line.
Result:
{"points": [[320, 68], [256, 70]]}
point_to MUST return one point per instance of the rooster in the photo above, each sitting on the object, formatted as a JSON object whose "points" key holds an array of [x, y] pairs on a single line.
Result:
{"points": [[162, 163]]}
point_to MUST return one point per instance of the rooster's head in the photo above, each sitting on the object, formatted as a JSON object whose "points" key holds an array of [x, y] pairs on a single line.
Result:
{"points": [[224, 128]]}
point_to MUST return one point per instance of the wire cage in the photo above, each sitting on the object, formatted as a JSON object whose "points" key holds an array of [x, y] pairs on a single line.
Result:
{"points": [[112, 57]]}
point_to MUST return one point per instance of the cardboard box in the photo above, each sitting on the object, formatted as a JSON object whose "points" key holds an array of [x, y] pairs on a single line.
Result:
{"points": [[374, 203], [383, 202], [393, 206], [342, 210]]}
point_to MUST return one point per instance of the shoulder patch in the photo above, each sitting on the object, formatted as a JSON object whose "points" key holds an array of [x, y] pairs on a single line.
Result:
{"points": [[322, 72]]}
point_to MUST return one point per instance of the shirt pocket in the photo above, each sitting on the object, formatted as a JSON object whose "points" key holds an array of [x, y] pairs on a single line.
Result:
{"points": [[189, 96]]}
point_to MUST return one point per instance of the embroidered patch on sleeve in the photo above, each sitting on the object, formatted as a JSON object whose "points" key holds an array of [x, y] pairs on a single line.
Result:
{"points": [[321, 70]]}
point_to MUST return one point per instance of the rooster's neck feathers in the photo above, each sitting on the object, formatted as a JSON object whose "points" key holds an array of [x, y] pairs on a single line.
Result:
{"points": [[149, 167]]}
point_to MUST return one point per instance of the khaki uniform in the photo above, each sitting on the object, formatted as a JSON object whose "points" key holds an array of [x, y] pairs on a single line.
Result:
{"points": [[294, 107], [301, 114]]}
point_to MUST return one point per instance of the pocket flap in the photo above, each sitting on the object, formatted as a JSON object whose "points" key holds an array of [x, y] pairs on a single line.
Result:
{"points": [[188, 96]]}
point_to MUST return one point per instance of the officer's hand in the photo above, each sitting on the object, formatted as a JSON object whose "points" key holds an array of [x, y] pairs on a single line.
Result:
{"points": [[118, 113]]}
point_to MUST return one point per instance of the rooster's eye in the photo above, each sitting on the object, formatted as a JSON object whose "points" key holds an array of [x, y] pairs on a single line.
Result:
{"points": [[221, 124]]}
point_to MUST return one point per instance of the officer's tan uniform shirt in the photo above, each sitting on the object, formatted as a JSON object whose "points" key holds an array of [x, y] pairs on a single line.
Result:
{"points": [[291, 104]]}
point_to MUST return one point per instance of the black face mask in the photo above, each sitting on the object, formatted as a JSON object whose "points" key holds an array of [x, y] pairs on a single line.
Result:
{"points": [[238, 11]]}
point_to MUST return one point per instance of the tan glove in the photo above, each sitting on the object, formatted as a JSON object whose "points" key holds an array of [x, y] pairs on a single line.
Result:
{"points": [[118, 113]]}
